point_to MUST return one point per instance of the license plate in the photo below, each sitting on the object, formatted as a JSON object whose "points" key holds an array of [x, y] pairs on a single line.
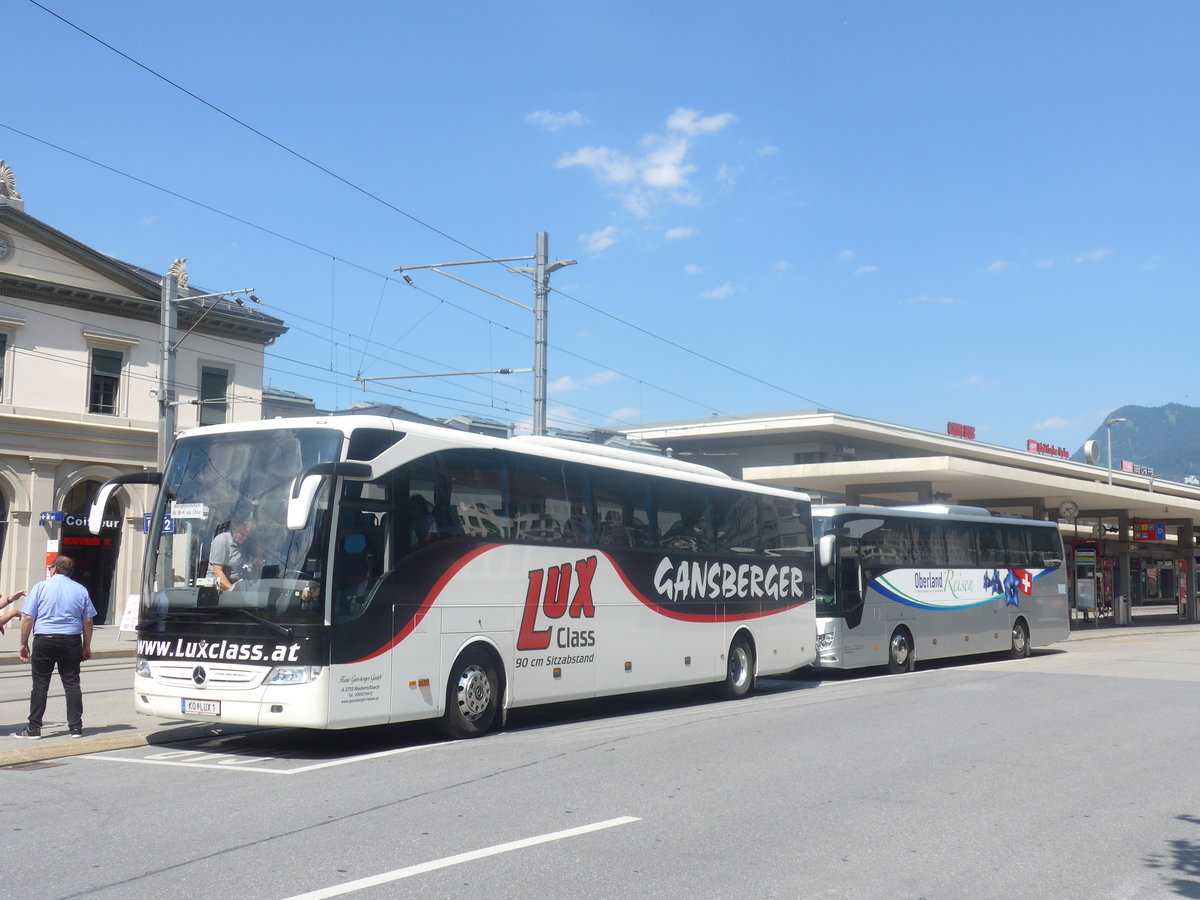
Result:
{"points": [[201, 707]]}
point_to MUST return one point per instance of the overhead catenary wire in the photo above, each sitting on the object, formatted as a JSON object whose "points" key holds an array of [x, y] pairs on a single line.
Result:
{"points": [[373, 196], [386, 276]]}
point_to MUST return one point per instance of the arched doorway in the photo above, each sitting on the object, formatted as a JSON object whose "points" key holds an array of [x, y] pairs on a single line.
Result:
{"points": [[95, 555]]}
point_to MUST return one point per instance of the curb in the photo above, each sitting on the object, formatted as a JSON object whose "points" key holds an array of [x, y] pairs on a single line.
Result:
{"points": [[39, 751], [60, 746]]}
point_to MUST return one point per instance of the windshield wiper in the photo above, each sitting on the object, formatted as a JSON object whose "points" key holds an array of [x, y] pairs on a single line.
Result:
{"points": [[274, 626]]}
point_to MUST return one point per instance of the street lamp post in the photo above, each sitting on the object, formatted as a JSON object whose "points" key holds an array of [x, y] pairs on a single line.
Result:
{"points": [[173, 282], [1109, 424]]}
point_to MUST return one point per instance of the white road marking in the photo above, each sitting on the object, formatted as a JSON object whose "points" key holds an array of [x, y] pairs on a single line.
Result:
{"points": [[470, 856], [230, 762]]}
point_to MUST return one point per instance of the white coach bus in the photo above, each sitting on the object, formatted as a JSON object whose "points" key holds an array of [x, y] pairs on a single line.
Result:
{"points": [[383, 571], [899, 584]]}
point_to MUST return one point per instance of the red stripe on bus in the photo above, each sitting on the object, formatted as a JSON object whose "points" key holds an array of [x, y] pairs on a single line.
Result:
{"points": [[428, 602]]}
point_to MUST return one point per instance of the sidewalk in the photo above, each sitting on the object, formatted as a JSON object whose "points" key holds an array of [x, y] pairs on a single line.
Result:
{"points": [[109, 721], [113, 725]]}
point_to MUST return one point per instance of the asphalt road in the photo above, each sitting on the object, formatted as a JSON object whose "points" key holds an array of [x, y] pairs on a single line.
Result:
{"points": [[1070, 774]]}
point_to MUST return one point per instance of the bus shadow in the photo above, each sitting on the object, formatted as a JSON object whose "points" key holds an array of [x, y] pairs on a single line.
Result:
{"points": [[322, 746], [818, 676], [621, 705]]}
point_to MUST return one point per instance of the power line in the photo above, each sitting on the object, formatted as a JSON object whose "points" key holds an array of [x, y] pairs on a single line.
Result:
{"points": [[385, 276], [266, 137], [403, 212]]}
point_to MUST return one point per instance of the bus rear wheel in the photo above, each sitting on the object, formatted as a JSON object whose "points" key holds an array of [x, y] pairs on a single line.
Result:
{"points": [[739, 669], [1020, 640], [472, 695], [900, 652]]}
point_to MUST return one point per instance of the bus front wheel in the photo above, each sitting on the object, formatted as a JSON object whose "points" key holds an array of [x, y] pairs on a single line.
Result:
{"points": [[1020, 640], [739, 669], [472, 695], [900, 652]]}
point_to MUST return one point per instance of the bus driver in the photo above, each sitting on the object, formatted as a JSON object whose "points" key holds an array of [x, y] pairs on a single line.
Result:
{"points": [[229, 557]]}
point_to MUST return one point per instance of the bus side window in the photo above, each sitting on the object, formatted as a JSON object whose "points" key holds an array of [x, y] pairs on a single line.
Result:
{"points": [[1046, 547], [960, 545]]}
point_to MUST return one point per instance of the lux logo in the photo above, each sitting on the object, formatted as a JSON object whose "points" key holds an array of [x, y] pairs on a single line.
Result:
{"points": [[557, 581]]}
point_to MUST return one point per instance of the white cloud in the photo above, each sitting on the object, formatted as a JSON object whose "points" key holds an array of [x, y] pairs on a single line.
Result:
{"points": [[998, 266], [1093, 256], [1045, 263], [599, 241], [1053, 423], [549, 121], [691, 123], [727, 174], [625, 414], [782, 266], [564, 417], [924, 299], [866, 270], [664, 165], [562, 385], [680, 233], [571, 383], [845, 256], [769, 150], [723, 292], [607, 164], [600, 378], [660, 174], [694, 269], [978, 381]]}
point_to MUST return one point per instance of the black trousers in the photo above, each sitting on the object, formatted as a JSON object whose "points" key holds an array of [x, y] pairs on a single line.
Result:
{"points": [[66, 652]]}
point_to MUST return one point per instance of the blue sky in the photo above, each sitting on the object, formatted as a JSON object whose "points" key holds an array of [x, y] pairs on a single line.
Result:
{"points": [[919, 213]]}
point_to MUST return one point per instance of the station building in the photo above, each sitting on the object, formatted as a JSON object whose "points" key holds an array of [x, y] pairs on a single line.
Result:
{"points": [[80, 352], [1130, 539]]}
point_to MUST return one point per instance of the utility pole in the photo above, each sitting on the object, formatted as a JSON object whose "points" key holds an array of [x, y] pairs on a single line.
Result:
{"points": [[541, 273], [173, 282]]}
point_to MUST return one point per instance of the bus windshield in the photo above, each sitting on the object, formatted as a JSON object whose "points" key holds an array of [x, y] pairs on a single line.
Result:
{"points": [[221, 548]]}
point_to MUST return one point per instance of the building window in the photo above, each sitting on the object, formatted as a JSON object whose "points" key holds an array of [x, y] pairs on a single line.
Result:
{"points": [[214, 383], [3, 353], [106, 377]]}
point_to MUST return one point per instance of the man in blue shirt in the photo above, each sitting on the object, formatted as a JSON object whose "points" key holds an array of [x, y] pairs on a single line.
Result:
{"points": [[58, 613]]}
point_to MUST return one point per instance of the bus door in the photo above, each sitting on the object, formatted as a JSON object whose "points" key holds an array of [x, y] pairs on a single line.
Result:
{"points": [[995, 556], [865, 612]]}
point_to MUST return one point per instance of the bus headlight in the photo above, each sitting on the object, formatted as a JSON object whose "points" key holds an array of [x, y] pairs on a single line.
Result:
{"points": [[292, 675], [143, 668], [825, 641]]}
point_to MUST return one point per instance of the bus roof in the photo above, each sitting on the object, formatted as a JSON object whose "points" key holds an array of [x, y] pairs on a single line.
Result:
{"points": [[928, 511], [539, 445]]}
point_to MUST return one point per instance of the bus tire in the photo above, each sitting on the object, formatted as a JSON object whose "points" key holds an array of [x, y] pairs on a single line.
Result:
{"points": [[472, 695], [1020, 640], [901, 657], [739, 669]]}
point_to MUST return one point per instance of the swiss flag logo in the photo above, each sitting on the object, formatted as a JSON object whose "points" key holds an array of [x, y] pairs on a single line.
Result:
{"points": [[1024, 582]]}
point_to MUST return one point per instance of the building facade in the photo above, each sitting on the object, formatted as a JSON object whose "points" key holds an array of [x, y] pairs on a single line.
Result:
{"points": [[1130, 539], [80, 357]]}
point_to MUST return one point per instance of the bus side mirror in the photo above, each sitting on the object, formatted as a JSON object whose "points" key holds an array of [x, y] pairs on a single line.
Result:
{"points": [[825, 548], [96, 512], [305, 486]]}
